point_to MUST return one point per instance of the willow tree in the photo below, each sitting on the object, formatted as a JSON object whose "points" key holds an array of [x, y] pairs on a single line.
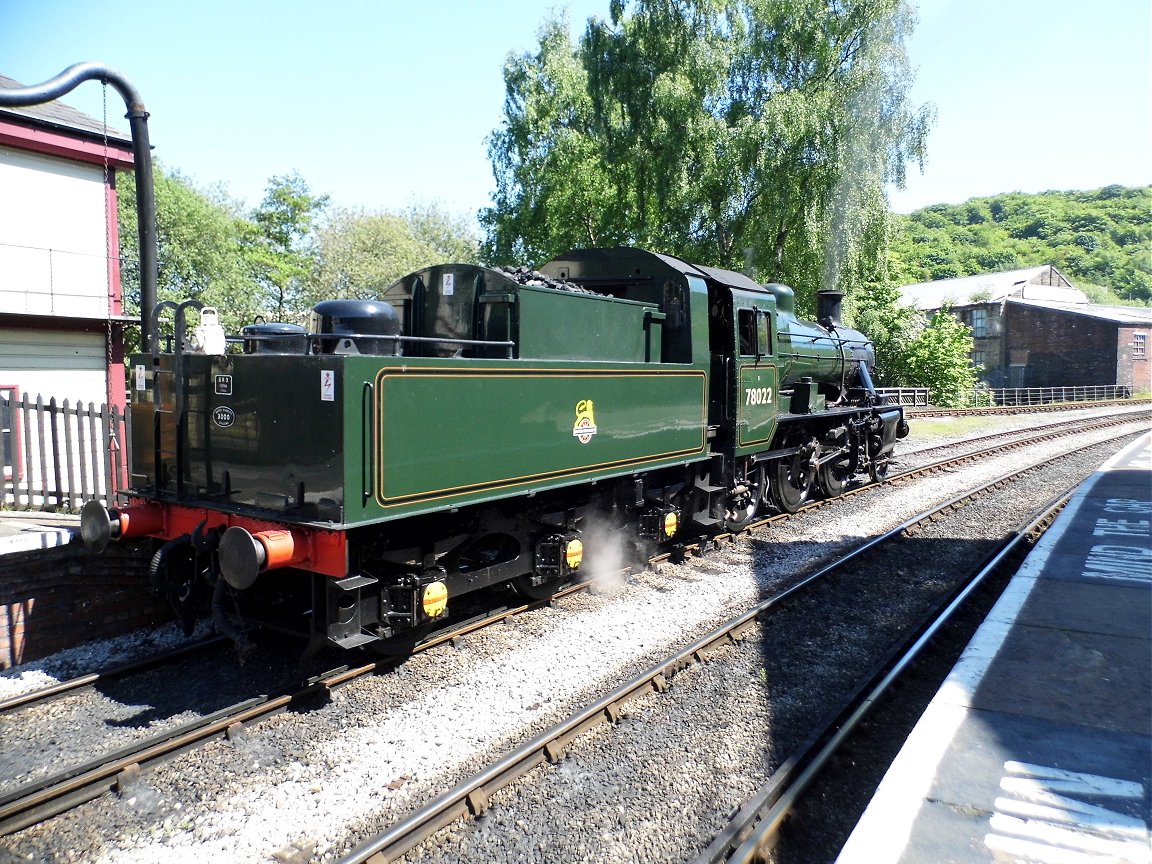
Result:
{"points": [[752, 134]]}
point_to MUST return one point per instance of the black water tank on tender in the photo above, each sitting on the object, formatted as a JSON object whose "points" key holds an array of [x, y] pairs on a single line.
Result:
{"points": [[353, 324], [274, 338]]}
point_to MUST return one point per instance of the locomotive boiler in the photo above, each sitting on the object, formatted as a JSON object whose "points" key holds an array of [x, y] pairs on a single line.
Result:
{"points": [[465, 429]]}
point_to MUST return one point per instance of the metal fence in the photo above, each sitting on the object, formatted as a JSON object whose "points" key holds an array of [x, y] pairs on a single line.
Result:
{"points": [[1046, 395], [916, 397], [59, 455], [986, 397]]}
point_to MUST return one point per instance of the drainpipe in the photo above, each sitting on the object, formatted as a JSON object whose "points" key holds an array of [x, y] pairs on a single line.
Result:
{"points": [[137, 118]]}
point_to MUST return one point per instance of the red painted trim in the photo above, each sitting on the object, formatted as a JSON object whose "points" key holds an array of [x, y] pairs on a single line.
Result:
{"points": [[15, 471], [64, 146], [327, 551]]}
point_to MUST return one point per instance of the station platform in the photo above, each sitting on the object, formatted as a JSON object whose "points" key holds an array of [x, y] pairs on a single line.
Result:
{"points": [[1038, 746], [26, 531]]}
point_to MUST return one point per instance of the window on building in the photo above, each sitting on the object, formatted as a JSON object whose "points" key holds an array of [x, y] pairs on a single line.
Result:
{"points": [[978, 358], [1139, 344], [979, 322]]}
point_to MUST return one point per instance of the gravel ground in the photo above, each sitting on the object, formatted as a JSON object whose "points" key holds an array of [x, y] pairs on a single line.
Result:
{"points": [[328, 778]]}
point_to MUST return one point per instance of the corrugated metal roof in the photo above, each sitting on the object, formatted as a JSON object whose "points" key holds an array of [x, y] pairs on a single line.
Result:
{"points": [[1117, 314], [64, 117], [992, 288]]}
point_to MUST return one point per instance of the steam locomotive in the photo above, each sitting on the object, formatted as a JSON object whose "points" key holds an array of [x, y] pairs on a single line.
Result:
{"points": [[354, 480]]}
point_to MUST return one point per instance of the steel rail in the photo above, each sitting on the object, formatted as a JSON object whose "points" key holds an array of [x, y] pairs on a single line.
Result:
{"points": [[1056, 431], [1018, 409], [41, 694], [1088, 422], [471, 796], [51, 796]]}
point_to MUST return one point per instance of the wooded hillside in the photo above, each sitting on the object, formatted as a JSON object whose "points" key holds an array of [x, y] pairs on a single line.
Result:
{"points": [[1099, 238]]}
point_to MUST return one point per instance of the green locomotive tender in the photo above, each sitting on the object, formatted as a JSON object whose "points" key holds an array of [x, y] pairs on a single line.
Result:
{"points": [[468, 427]]}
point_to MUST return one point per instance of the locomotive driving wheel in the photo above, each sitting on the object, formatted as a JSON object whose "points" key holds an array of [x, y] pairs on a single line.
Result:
{"points": [[747, 503], [793, 476]]}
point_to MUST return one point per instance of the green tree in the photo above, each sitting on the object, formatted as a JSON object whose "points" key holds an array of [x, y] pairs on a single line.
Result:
{"points": [[200, 249], [360, 254], [937, 357], [280, 244], [1098, 236], [731, 132]]}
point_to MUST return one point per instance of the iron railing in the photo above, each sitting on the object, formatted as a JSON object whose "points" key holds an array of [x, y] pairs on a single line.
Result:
{"points": [[915, 397], [987, 397], [57, 456], [1046, 395]]}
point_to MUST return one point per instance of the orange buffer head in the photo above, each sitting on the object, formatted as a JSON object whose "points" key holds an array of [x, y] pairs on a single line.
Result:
{"points": [[244, 556], [98, 525]]}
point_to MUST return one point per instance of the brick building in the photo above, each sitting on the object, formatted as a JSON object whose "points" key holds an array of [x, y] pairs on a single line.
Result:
{"points": [[1034, 328]]}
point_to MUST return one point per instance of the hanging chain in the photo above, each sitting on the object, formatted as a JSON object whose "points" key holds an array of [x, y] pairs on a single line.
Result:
{"points": [[111, 272], [109, 275]]}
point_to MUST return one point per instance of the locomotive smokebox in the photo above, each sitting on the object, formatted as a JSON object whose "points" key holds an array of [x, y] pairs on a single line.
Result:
{"points": [[353, 324], [829, 307]]}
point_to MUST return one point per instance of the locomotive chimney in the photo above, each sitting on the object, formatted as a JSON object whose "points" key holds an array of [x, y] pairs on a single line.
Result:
{"points": [[829, 305]]}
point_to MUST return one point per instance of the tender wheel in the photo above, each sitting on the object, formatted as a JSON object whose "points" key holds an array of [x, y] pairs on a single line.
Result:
{"points": [[525, 588], [748, 505], [402, 645], [832, 477], [792, 480]]}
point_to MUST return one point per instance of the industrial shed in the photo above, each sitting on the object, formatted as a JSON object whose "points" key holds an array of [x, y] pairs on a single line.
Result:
{"points": [[1033, 328]]}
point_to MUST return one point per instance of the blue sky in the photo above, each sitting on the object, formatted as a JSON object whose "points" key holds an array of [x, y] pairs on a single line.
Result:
{"points": [[385, 104]]}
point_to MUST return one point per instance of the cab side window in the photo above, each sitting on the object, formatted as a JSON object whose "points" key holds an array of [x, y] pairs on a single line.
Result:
{"points": [[746, 328], [754, 333]]}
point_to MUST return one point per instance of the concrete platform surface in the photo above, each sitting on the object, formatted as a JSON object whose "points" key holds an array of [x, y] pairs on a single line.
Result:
{"points": [[28, 530]]}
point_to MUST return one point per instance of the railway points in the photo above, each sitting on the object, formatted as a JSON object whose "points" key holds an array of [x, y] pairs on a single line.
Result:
{"points": [[1038, 746]]}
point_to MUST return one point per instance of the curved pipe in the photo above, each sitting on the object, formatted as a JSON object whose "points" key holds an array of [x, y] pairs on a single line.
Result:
{"points": [[137, 118], [157, 567]]}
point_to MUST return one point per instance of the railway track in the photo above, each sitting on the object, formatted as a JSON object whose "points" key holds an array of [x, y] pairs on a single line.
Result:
{"points": [[49, 797], [1016, 409], [118, 672], [754, 825], [1012, 435], [754, 828]]}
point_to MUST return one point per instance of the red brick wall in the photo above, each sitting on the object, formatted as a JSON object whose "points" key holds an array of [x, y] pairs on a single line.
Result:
{"points": [[1132, 371], [52, 599], [1063, 348]]}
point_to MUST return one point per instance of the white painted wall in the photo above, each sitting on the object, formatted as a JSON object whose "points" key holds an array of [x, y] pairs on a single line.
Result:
{"points": [[51, 363], [53, 236]]}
